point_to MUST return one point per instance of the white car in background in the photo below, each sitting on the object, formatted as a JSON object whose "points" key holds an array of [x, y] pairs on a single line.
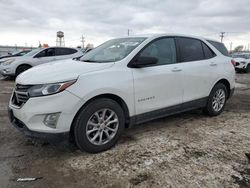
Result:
{"points": [[15, 65], [242, 62]]}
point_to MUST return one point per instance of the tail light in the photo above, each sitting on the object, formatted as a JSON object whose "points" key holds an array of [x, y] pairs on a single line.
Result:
{"points": [[233, 62]]}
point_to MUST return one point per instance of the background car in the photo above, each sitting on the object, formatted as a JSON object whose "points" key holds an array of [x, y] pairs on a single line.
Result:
{"points": [[15, 65], [20, 53], [242, 62]]}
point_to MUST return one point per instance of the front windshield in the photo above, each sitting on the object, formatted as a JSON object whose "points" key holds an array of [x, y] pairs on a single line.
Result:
{"points": [[33, 52], [112, 50]]}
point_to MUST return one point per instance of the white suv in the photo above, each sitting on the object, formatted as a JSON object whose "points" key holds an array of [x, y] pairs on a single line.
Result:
{"points": [[123, 82], [13, 66], [242, 62]]}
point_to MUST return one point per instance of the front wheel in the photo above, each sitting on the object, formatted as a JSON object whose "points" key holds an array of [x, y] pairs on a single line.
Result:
{"points": [[21, 69], [216, 100], [99, 125]]}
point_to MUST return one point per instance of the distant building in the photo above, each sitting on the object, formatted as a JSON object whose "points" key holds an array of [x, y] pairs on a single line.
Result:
{"points": [[4, 50]]}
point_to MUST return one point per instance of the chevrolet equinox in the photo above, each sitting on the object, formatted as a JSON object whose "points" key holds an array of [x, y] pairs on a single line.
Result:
{"points": [[123, 82]]}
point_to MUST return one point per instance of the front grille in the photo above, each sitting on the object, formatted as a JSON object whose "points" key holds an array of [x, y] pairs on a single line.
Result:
{"points": [[20, 95]]}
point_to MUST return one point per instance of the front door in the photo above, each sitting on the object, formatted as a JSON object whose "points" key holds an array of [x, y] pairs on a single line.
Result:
{"points": [[160, 85], [45, 56]]}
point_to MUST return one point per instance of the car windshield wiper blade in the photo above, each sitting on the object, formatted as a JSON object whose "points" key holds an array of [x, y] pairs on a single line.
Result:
{"points": [[93, 61], [89, 60]]}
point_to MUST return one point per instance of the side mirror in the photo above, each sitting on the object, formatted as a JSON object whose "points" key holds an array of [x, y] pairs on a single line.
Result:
{"points": [[143, 61]]}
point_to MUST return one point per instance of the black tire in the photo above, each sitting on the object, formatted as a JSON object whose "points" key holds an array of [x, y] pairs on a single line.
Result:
{"points": [[21, 69], [80, 126], [248, 68], [209, 110]]}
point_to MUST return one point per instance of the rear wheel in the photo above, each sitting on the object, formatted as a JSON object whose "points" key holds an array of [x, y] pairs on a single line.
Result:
{"points": [[21, 69], [99, 125], [216, 100]]}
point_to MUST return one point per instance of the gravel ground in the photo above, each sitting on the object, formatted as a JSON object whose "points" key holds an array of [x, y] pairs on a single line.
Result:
{"points": [[185, 150]]}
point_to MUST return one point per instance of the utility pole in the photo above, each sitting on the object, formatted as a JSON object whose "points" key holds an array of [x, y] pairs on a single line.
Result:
{"points": [[222, 36], [231, 46], [128, 32], [82, 40]]}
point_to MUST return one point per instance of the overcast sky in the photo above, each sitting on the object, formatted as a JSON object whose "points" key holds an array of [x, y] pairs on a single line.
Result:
{"points": [[30, 21]]}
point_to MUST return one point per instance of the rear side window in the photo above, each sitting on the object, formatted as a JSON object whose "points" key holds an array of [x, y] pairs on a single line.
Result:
{"points": [[208, 53], [190, 49], [220, 47], [65, 51]]}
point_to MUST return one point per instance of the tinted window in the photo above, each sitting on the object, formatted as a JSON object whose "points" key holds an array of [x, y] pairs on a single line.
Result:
{"points": [[207, 51], [220, 47], [162, 49], [190, 49], [46, 53], [65, 51]]}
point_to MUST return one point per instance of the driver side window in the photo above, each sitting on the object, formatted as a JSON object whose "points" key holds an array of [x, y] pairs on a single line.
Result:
{"points": [[47, 53], [163, 49]]}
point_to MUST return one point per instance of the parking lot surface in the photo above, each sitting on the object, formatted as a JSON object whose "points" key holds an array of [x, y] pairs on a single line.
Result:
{"points": [[185, 150]]}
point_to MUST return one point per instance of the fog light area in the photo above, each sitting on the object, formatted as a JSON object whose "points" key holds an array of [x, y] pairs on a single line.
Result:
{"points": [[50, 120]]}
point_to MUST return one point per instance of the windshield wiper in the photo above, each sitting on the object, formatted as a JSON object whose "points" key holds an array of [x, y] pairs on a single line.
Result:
{"points": [[88, 60], [93, 61]]}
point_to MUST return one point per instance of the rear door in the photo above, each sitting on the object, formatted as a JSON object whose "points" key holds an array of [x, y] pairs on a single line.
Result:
{"points": [[200, 68], [158, 86]]}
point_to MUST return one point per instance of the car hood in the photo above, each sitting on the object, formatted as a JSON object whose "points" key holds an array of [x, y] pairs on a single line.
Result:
{"points": [[59, 71], [16, 58]]}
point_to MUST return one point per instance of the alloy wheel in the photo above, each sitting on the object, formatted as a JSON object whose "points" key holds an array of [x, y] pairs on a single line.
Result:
{"points": [[102, 126], [219, 99]]}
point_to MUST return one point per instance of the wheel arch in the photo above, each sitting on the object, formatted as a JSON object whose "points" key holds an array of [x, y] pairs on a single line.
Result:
{"points": [[227, 85], [114, 97], [23, 64]]}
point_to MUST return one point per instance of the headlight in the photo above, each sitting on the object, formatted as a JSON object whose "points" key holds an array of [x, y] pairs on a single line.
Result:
{"points": [[8, 62], [243, 62], [49, 89]]}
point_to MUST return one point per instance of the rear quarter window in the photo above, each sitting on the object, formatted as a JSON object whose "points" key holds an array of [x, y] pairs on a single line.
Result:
{"points": [[220, 47], [207, 51]]}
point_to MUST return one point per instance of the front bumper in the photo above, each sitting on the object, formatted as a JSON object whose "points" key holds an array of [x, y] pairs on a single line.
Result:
{"points": [[240, 67], [6, 71], [29, 118], [51, 137]]}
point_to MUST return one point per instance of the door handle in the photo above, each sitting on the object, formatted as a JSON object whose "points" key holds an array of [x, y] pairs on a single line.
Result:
{"points": [[176, 69], [213, 64]]}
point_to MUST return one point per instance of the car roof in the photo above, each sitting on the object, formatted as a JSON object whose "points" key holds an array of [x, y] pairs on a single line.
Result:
{"points": [[59, 47], [152, 36]]}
